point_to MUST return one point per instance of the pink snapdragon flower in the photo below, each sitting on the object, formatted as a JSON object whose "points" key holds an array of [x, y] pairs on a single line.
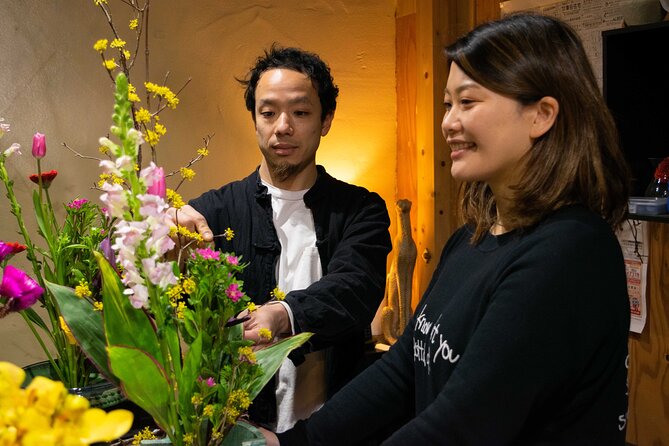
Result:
{"points": [[11, 150], [21, 290], [154, 177], [39, 145]]}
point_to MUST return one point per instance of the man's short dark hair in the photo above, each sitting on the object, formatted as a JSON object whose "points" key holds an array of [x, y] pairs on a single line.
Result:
{"points": [[298, 60]]}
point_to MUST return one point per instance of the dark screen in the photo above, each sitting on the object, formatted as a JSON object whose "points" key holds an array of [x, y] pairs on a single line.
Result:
{"points": [[636, 88]]}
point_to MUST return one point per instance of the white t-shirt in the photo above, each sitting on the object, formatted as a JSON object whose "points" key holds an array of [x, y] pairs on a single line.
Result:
{"points": [[300, 391]]}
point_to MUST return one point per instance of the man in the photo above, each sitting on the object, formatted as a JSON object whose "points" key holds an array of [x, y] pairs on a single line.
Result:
{"points": [[319, 240]]}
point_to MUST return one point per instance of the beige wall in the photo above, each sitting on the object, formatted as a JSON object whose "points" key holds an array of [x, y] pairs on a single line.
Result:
{"points": [[51, 81]]}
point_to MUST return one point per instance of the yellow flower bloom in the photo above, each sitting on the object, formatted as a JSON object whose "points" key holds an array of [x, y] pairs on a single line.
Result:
{"points": [[247, 352], [203, 151], [117, 43], [196, 399], [97, 306], [132, 94], [126, 54], [174, 199], [142, 116], [181, 309], [265, 333], [160, 129], [174, 292], [189, 439], [152, 137], [99, 2], [229, 234], [134, 23], [82, 289], [163, 92], [187, 174], [208, 410], [109, 64], [278, 294], [103, 150], [144, 434], [252, 307], [66, 330], [189, 285], [101, 45]]}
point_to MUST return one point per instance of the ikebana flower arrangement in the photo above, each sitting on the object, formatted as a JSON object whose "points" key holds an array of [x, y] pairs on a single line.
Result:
{"points": [[173, 338], [44, 413], [65, 256]]}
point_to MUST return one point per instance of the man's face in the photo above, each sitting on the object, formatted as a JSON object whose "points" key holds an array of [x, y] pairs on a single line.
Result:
{"points": [[288, 123]]}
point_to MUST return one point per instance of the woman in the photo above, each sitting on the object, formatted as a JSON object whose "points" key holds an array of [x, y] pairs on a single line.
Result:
{"points": [[521, 336]]}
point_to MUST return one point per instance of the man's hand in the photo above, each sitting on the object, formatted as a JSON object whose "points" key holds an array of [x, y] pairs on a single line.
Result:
{"points": [[273, 317], [192, 220], [270, 437]]}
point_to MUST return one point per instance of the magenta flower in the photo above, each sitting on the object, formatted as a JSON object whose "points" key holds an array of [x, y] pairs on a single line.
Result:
{"points": [[39, 145], [77, 204], [208, 254], [8, 249], [233, 292], [232, 260], [19, 288]]}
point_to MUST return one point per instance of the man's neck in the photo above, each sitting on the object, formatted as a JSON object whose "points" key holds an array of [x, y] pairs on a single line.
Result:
{"points": [[300, 181]]}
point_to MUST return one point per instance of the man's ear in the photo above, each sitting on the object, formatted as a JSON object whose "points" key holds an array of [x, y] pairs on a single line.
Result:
{"points": [[327, 123], [547, 109]]}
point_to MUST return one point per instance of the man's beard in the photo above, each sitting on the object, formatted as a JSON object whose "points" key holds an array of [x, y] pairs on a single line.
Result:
{"points": [[283, 171]]}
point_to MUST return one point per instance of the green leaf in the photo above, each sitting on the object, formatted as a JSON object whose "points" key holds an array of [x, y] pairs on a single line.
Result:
{"points": [[35, 318], [144, 381], [124, 324], [270, 359], [189, 375], [86, 326]]}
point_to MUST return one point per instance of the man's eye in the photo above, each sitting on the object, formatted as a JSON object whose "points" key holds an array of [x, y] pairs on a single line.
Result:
{"points": [[448, 106], [301, 113], [267, 114]]}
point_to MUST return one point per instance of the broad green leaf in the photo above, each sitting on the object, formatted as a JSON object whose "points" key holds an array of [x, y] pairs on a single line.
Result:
{"points": [[144, 381], [124, 324], [85, 324], [270, 359], [189, 375]]}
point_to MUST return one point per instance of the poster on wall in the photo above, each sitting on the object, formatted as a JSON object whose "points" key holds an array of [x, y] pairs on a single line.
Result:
{"points": [[588, 18], [633, 238]]}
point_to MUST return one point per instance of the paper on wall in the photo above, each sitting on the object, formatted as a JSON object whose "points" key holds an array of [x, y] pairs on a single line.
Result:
{"points": [[633, 238]]}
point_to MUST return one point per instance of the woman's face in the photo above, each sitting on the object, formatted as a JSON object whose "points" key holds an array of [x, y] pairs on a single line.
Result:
{"points": [[488, 133]]}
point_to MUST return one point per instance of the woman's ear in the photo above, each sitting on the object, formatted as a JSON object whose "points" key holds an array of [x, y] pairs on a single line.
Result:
{"points": [[547, 109]]}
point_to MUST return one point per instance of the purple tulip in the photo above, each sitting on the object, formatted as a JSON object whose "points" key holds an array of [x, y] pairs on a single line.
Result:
{"points": [[19, 288], [39, 145]]}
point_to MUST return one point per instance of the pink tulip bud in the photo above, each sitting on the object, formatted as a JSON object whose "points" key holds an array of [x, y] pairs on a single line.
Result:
{"points": [[158, 186], [39, 145]]}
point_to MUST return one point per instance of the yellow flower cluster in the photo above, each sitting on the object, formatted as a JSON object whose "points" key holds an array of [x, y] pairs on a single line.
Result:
{"points": [[44, 413], [252, 307], [97, 306], [174, 199], [99, 2], [109, 64], [278, 294], [132, 94], [82, 289], [183, 231], [101, 45], [229, 234], [265, 333], [134, 23], [248, 354], [238, 403], [109, 178], [163, 92], [187, 174], [144, 434], [117, 43], [203, 151], [143, 116]]}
